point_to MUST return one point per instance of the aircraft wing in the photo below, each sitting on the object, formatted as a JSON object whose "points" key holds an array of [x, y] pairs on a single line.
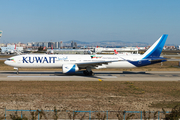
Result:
{"points": [[94, 64]]}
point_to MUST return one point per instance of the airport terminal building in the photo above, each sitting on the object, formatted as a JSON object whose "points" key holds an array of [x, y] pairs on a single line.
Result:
{"points": [[67, 51], [129, 50], [10, 49]]}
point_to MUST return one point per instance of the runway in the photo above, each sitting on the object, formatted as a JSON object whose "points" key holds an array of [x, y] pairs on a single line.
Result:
{"points": [[99, 76], [3, 58]]}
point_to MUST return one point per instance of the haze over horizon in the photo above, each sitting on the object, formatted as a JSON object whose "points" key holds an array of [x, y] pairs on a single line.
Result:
{"points": [[90, 20]]}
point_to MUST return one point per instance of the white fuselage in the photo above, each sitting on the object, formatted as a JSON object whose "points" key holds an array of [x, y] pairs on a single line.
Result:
{"points": [[56, 61]]}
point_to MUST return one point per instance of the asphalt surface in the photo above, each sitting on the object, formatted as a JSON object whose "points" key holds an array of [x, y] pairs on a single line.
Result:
{"points": [[99, 76], [3, 58]]}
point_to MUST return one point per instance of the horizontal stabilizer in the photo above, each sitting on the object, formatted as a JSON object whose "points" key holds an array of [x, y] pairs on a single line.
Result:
{"points": [[157, 59]]}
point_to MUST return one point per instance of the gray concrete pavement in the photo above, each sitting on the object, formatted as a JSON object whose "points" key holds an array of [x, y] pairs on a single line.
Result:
{"points": [[3, 58], [99, 76]]}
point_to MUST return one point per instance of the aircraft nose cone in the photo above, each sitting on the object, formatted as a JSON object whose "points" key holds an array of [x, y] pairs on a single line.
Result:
{"points": [[5, 62]]}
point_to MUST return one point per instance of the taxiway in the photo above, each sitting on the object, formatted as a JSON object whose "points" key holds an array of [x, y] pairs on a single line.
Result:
{"points": [[99, 76]]}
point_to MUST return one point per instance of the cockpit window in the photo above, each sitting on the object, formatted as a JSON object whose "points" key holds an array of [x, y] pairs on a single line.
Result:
{"points": [[10, 59]]}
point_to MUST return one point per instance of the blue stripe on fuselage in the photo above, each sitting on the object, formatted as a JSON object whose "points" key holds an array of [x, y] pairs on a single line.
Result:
{"points": [[140, 63]]}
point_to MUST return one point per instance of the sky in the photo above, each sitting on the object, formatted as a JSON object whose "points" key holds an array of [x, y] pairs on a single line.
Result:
{"points": [[89, 20]]}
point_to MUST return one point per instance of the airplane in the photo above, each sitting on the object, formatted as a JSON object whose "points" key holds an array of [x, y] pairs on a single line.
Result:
{"points": [[73, 63], [12, 51]]}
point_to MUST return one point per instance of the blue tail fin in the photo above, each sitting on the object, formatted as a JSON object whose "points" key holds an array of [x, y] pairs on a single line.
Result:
{"points": [[155, 50]]}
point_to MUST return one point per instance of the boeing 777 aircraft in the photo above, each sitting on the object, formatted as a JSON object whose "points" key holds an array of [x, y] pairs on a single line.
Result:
{"points": [[73, 63]]}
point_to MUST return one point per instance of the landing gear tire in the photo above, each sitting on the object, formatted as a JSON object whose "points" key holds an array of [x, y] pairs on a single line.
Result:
{"points": [[85, 72], [91, 73], [88, 73]]}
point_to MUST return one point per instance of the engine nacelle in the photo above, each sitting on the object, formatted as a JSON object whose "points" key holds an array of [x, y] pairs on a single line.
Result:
{"points": [[69, 68], [101, 66]]}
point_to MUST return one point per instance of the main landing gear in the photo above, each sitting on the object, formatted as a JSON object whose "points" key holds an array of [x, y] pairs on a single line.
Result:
{"points": [[88, 72]]}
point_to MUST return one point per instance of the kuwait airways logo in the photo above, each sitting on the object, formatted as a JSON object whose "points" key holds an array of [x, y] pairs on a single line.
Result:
{"points": [[13, 60], [94, 56], [39, 59]]}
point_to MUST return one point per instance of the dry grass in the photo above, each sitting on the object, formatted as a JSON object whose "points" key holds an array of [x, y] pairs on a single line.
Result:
{"points": [[165, 104], [88, 95], [5, 56]]}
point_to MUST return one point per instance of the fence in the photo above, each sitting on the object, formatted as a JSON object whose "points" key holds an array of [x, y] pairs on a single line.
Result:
{"points": [[100, 115]]}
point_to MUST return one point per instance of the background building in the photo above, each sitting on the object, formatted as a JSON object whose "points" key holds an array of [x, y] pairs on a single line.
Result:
{"points": [[60, 45], [56, 45], [67, 51], [73, 45]]}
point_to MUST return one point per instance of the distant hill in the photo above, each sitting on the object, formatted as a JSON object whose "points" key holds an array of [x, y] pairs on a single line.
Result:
{"points": [[107, 43], [77, 41]]}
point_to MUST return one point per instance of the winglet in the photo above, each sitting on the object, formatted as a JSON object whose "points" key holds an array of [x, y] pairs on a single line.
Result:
{"points": [[156, 49]]}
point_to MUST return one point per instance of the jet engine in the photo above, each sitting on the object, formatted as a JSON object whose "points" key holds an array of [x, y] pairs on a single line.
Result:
{"points": [[69, 68], [101, 66]]}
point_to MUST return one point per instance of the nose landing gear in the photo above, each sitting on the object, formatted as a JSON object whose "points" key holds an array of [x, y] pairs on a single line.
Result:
{"points": [[16, 70]]}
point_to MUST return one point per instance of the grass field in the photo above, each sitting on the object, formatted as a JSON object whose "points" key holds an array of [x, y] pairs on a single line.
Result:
{"points": [[89, 95]]}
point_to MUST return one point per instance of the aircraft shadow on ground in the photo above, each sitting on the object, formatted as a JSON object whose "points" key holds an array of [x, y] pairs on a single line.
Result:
{"points": [[50, 73], [123, 72], [80, 73], [14, 72]]}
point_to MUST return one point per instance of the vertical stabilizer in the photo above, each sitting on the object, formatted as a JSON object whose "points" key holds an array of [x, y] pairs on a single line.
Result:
{"points": [[15, 47], [115, 52], [155, 50]]}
